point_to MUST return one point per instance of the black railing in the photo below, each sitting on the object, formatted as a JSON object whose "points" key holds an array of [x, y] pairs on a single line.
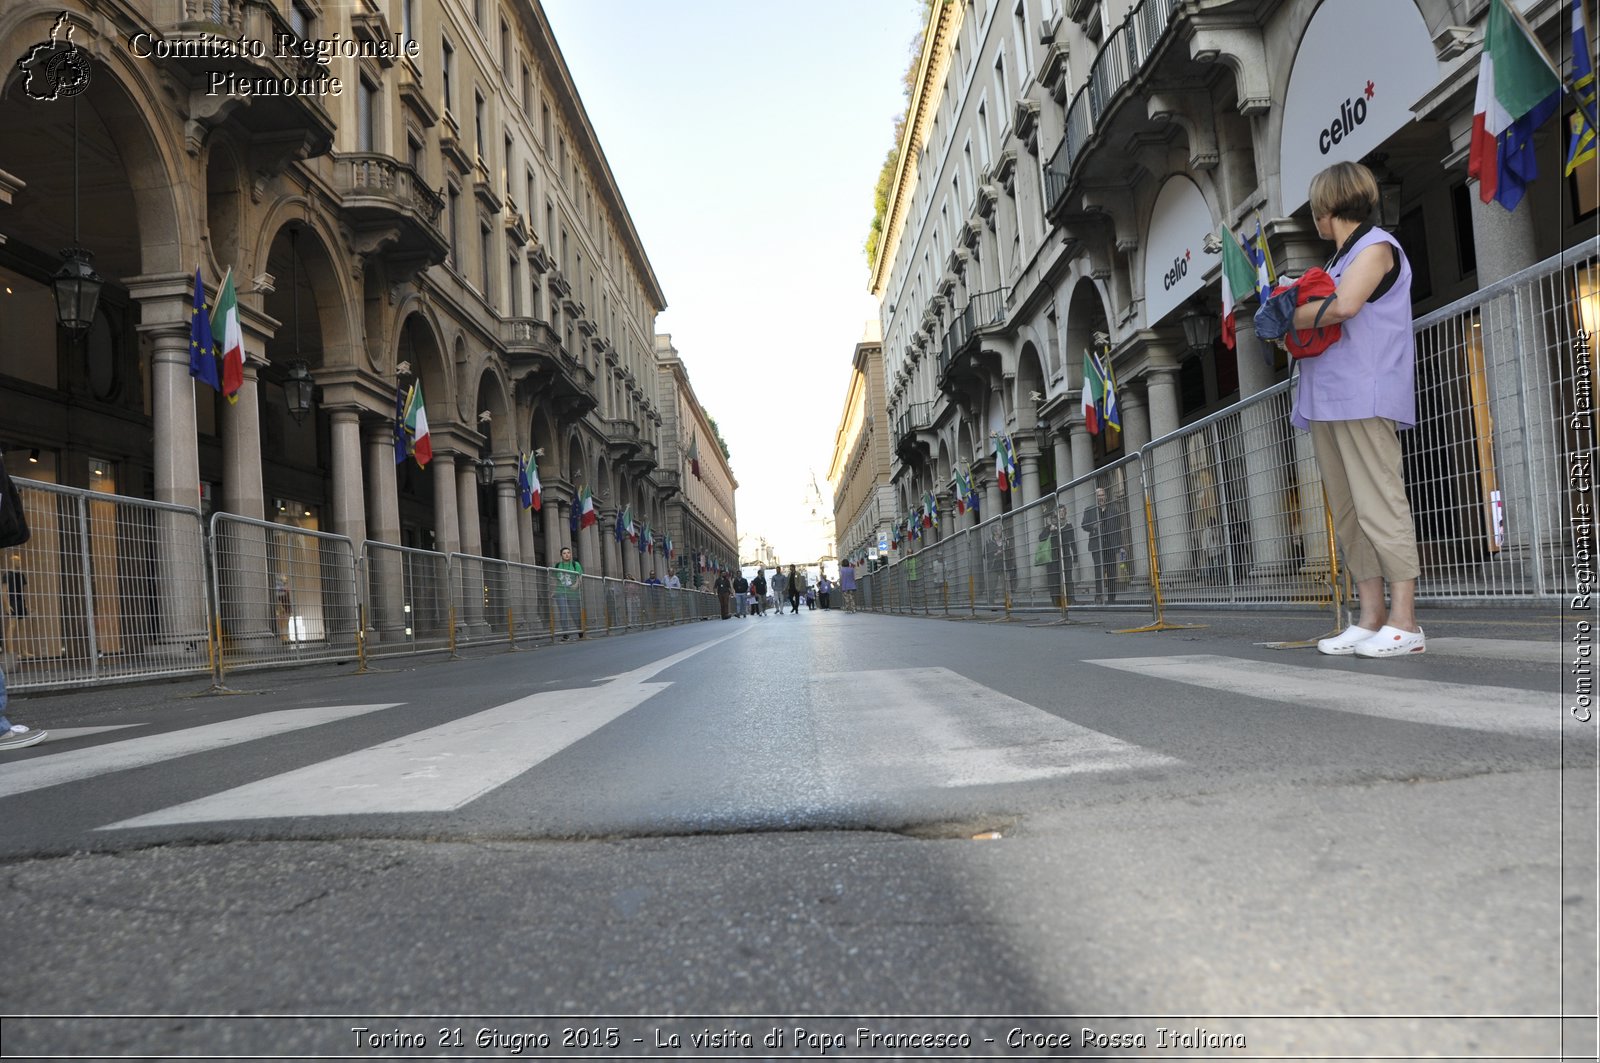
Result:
{"points": [[1124, 53], [985, 310]]}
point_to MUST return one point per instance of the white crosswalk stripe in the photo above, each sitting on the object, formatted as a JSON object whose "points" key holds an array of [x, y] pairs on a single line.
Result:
{"points": [[933, 727], [72, 765], [436, 770], [1379, 692], [876, 733]]}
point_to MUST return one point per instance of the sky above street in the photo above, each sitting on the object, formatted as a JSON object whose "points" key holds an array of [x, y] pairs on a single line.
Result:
{"points": [[746, 138]]}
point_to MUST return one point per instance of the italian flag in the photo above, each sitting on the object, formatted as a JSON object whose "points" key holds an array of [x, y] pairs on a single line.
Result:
{"points": [[417, 425], [587, 516], [1094, 390], [1238, 280], [225, 327], [1518, 89], [1002, 464]]}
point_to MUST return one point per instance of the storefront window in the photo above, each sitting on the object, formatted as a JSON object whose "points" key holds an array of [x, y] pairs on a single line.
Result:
{"points": [[104, 556], [295, 568]]}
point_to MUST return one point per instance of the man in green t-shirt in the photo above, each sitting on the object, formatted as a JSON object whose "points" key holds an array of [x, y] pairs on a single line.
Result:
{"points": [[568, 573]]}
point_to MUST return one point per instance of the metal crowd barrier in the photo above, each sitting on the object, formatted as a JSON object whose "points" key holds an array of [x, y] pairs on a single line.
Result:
{"points": [[107, 587], [1230, 510], [408, 599], [282, 594], [112, 588]]}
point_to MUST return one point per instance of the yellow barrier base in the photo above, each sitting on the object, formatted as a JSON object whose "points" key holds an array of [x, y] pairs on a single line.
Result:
{"points": [[1159, 625]]}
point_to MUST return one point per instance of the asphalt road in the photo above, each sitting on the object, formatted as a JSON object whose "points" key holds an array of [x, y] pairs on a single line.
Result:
{"points": [[1069, 841]]}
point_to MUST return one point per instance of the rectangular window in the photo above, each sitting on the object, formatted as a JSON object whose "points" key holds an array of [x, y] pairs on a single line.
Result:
{"points": [[485, 236], [477, 125], [1466, 248], [531, 200], [505, 49], [527, 91], [477, 12], [366, 118], [408, 21], [447, 65], [505, 163], [1002, 87], [300, 20], [544, 126], [1019, 25], [414, 154], [453, 208], [514, 281]]}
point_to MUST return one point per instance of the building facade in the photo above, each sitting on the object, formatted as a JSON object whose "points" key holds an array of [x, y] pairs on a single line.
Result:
{"points": [[700, 512], [863, 500], [429, 207], [1065, 164]]}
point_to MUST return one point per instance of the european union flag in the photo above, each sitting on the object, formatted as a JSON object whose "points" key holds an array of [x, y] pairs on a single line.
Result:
{"points": [[202, 348], [402, 441]]}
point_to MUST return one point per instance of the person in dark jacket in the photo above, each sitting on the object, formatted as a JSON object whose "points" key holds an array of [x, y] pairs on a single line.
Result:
{"points": [[724, 589], [758, 594], [1103, 524], [741, 595], [795, 590]]}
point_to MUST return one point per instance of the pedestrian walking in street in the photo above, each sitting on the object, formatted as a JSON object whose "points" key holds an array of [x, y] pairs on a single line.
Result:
{"points": [[724, 591], [741, 595], [758, 594], [847, 584], [1353, 399], [569, 574], [793, 583], [13, 532], [1103, 524], [780, 590], [824, 589]]}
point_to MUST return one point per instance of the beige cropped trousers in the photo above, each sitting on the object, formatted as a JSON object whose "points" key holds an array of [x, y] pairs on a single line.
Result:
{"points": [[1360, 463]]}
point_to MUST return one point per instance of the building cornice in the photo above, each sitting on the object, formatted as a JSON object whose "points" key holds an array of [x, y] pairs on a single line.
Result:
{"points": [[548, 52], [943, 21]]}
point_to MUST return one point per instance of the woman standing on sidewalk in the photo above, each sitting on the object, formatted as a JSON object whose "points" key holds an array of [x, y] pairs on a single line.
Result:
{"points": [[1353, 399]]}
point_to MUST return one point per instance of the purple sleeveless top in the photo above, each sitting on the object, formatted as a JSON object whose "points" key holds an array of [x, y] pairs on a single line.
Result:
{"points": [[1370, 371]]}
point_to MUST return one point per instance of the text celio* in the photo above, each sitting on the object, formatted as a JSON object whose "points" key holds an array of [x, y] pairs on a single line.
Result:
{"points": [[321, 50]]}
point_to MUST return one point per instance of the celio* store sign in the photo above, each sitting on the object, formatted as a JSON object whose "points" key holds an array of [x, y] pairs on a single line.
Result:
{"points": [[284, 47], [1343, 102]]}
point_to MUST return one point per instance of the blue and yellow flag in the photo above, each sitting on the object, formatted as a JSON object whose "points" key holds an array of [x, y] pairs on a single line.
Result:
{"points": [[1582, 147]]}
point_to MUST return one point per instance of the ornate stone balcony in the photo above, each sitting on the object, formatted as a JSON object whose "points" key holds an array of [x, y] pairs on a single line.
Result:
{"points": [[541, 367], [387, 199]]}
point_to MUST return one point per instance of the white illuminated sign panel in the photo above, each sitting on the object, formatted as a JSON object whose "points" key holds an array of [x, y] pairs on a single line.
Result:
{"points": [[1174, 262], [1360, 68]]}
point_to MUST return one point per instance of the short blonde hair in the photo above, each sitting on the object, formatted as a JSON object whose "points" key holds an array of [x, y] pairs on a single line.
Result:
{"points": [[1345, 190]]}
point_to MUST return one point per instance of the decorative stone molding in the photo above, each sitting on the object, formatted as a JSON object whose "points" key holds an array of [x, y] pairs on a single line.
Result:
{"points": [[987, 195], [367, 23], [1005, 169], [1025, 118], [1086, 13], [414, 95], [1241, 48], [1191, 111], [451, 145], [1053, 71]]}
